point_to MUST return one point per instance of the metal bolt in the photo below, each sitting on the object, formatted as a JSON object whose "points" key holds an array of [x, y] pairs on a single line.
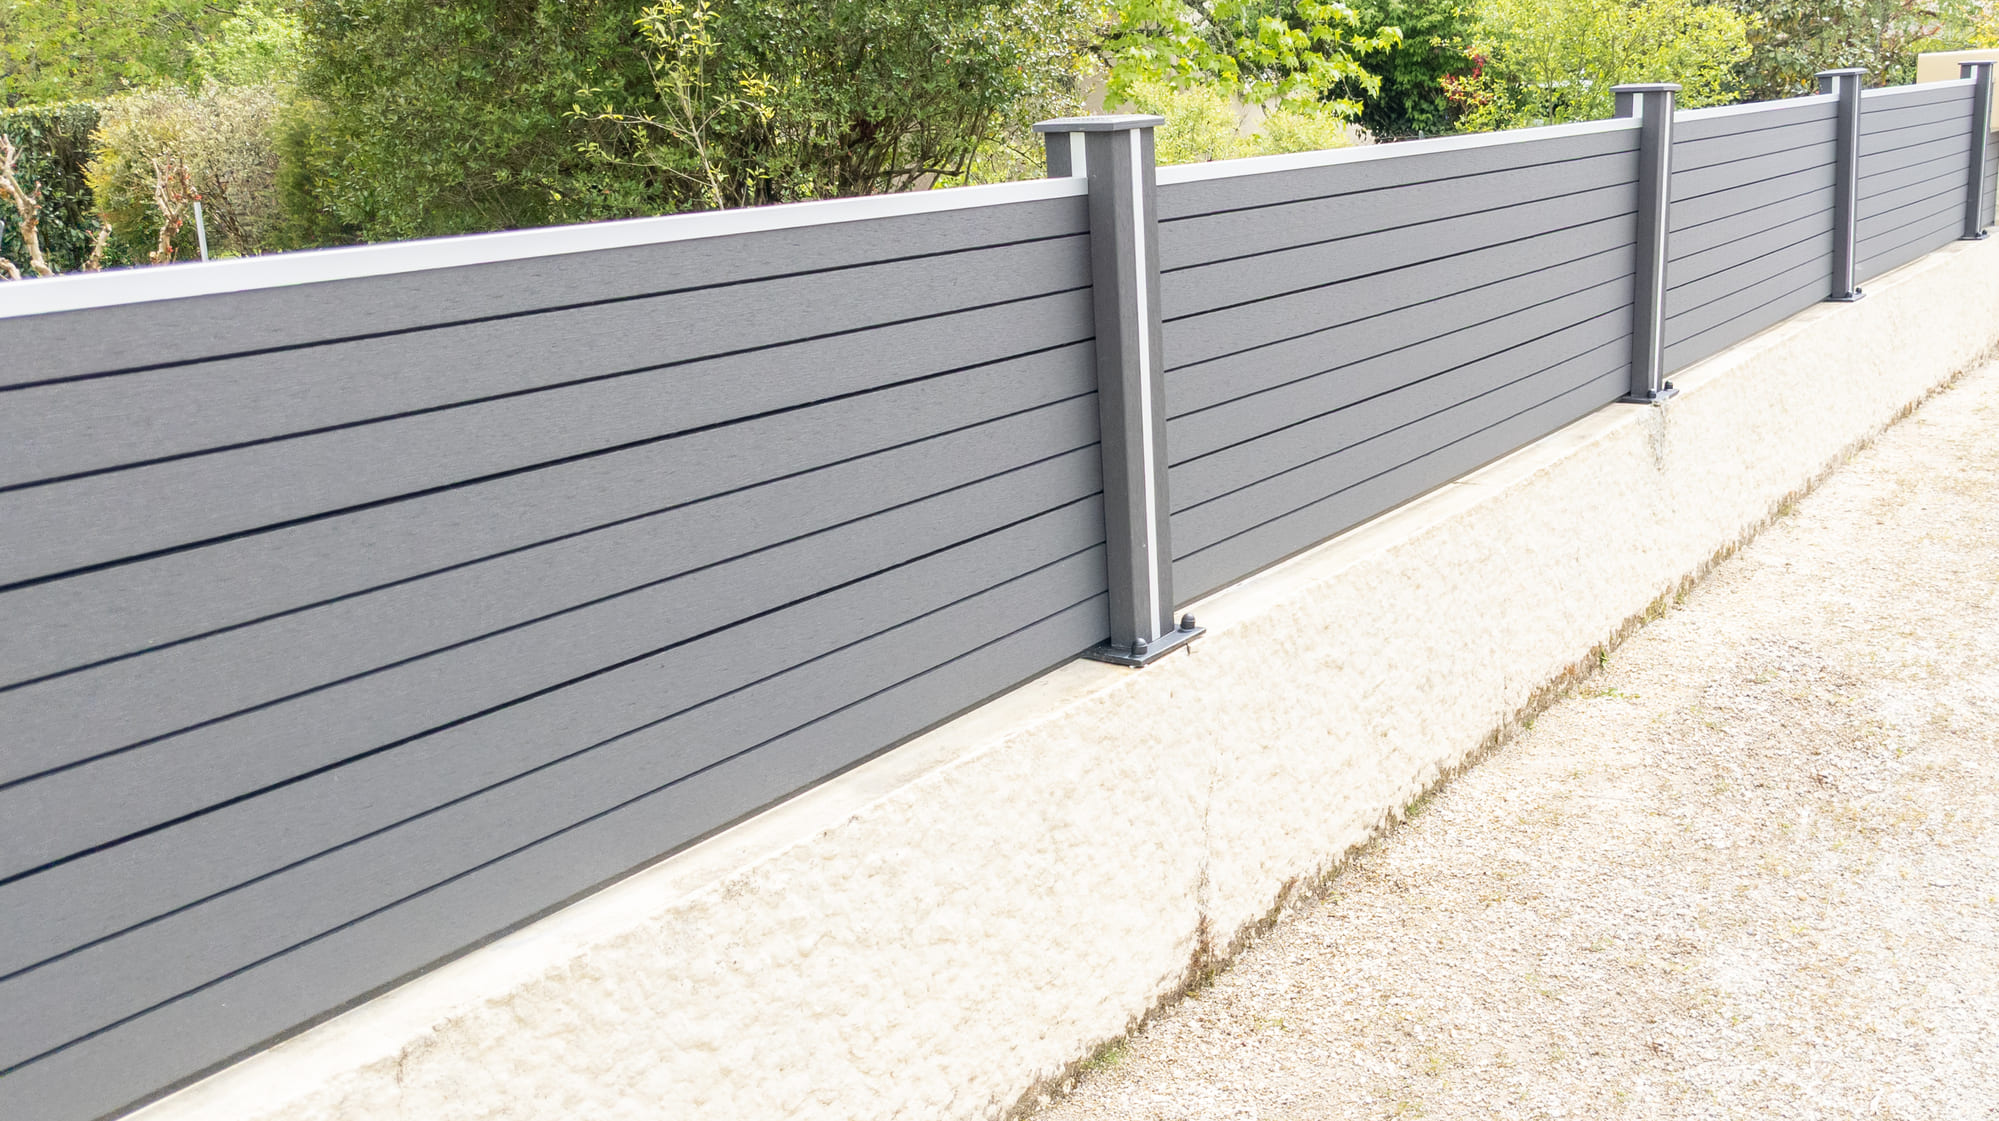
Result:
{"points": [[1186, 622], [1138, 647]]}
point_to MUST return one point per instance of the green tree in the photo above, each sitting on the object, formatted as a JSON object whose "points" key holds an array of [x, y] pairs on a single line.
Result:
{"points": [[1257, 50], [1412, 100], [62, 50], [1792, 40], [768, 100], [1549, 61], [427, 117]]}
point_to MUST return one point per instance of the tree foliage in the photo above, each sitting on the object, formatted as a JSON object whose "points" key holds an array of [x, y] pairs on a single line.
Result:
{"points": [[1256, 50], [83, 50], [1792, 40], [1548, 61], [160, 150], [55, 148], [755, 101], [1411, 99]]}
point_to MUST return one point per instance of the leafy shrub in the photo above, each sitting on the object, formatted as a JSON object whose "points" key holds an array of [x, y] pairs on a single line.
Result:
{"points": [[1549, 61], [55, 146], [1202, 123], [1411, 100], [169, 146]]}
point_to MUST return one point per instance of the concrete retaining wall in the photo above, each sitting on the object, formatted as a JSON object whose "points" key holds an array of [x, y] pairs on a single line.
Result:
{"points": [[943, 929]]}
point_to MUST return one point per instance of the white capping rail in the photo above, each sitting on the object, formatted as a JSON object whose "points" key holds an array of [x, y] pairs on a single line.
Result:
{"points": [[77, 291]]}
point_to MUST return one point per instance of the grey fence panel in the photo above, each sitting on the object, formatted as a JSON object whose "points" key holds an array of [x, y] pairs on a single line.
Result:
{"points": [[1320, 354], [1691, 126], [1912, 173], [376, 302], [1991, 211], [505, 605], [1443, 447], [1751, 237], [238, 1012]]}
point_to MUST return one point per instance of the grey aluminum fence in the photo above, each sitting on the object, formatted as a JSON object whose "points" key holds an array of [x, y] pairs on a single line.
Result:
{"points": [[359, 606]]}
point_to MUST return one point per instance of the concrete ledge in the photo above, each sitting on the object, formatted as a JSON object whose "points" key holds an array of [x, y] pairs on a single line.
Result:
{"points": [[936, 933]]}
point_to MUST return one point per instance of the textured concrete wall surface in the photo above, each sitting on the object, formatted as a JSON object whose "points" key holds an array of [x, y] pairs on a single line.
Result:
{"points": [[939, 931]]}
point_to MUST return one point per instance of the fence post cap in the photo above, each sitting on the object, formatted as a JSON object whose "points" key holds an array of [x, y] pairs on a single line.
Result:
{"points": [[1968, 67], [1841, 72], [1647, 87], [1109, 122]]}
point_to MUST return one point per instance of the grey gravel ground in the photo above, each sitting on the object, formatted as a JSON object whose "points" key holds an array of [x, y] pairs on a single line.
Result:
{"points": [[1746, 871]]}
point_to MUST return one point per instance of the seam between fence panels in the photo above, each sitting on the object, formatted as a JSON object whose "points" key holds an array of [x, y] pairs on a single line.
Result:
{"points": [[1487, 357], [1953, 205], [1373, 230], [557, 760], [1817, 188], [1406, 463], [1795, 172], [128, 1018], [1822, 217], [1390, 311], [1392, 350], [1312, 161], [1940, 217], [10, 783], [1766, 153], [1817, 261], [1586, 352]]}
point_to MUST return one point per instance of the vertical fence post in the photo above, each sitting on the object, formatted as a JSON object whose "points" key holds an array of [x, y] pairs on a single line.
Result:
{"points": [[1114, 153], [1981, 135], [1845, 177], [1652, 104]]}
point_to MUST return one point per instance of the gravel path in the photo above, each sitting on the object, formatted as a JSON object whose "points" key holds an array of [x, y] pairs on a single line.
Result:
{"points": [[1747, 870]]}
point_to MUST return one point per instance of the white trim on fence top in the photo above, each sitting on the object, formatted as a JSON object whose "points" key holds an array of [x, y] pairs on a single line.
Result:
{"points": [[1751, 108], [1915, 90], [1258, 165], [172, 282]]}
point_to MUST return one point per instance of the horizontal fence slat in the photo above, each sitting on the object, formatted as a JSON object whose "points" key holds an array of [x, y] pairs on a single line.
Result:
{"points": [[1890, 151], [1956, 91], [1694, 126], [1197, 240], [1922, 236], [1433, 463], [1785, 249], [1692, 245], [95, 341], [101, 518], [1204, 288], [406, 699], [1309, 437], [1398, 167], [1213, 334], [1940, 173], [1204, 525], [1890, 210], [1689, 321], [1690, 185], [1816, 133], [1687, 214], [529, 746], [1721, 336], [1383, 337], [1879, 120], [243, 1010], [1251, 415], [602, 363], [80, 714]]}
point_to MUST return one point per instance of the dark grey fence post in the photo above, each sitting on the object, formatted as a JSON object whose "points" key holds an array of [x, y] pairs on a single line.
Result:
{"points": [[1115, 154], [1652, 104], [1981, 135], [1845, 177]]}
